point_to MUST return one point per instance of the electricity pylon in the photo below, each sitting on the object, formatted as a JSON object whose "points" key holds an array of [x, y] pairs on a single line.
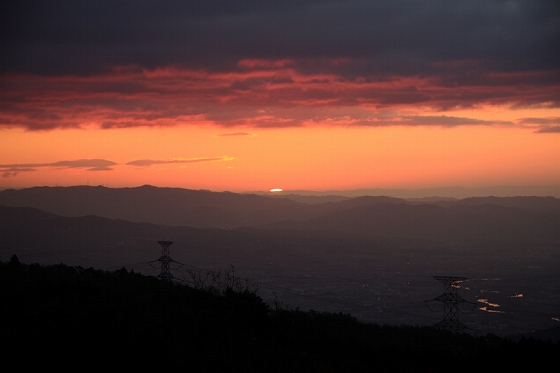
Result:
{"points": [[451, 301], [165, 261]]}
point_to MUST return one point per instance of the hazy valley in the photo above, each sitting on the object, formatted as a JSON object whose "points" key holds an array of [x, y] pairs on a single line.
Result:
{"points": [[372, 257]]}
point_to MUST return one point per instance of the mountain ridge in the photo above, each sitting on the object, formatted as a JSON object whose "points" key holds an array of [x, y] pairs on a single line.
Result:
{"points": [[378, 217], [227, 210], [445, 192]]}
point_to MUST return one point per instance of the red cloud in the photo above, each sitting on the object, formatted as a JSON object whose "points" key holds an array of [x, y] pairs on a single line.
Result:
{"points": [[290, 91]]}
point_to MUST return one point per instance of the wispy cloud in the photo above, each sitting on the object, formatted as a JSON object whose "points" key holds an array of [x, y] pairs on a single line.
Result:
{"points": [[541, 121], [235, 134], [12, 170], [152, 162], [543, 125], [552, 129], [447, 121], [91, 164], [384, 120]]}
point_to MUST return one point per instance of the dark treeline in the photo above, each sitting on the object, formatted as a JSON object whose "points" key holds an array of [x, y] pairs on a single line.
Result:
{"points": [[87, 319]]}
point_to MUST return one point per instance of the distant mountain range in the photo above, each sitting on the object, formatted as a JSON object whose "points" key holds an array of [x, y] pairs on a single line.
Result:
{"points": [[484, 217], [350, 250], [442, 192]]}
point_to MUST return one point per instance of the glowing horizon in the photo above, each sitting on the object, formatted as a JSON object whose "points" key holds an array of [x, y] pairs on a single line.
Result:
{"points": [[390, 157], [300, 110]]}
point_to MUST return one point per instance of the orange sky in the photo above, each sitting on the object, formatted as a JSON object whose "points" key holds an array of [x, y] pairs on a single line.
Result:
{"points": [[316, 132], [307, 95], [311, 158]]}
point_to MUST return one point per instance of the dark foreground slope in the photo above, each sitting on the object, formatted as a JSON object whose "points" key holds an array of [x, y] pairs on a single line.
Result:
{"points": [[87, 319]]}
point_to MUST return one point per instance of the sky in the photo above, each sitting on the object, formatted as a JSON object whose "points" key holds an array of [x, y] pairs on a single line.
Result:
{"points": [[297, 95]]}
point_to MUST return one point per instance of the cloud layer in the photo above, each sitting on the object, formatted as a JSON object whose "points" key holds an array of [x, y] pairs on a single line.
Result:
{"points": [[382, 38], [265, 64]]}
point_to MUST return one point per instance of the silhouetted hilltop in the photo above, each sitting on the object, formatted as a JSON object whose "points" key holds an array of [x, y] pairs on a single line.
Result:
{"points": [[92, 319], [169, 206], [15, 216]]}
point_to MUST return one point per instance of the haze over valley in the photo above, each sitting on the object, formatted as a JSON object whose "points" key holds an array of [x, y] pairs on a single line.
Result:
{"points": [[374, 257]]}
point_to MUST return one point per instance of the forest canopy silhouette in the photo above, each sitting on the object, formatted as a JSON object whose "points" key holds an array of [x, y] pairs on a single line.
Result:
{"points": [[58, 315]]}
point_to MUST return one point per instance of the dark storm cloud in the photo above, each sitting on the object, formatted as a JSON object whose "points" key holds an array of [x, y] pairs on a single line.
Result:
{"points": [[380, 37]]}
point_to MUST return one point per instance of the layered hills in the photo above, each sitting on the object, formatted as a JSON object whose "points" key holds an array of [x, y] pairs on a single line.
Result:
{"points": [[536, 218], [371, 256]]}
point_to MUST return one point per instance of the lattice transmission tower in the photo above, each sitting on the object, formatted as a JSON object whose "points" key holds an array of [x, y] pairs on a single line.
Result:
{"points": [[165, 260], [451, 301]]}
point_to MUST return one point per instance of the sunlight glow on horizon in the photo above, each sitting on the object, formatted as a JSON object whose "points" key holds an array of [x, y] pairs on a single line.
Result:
{"points": [[316, 108], [228, 131], [304, 158]]}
